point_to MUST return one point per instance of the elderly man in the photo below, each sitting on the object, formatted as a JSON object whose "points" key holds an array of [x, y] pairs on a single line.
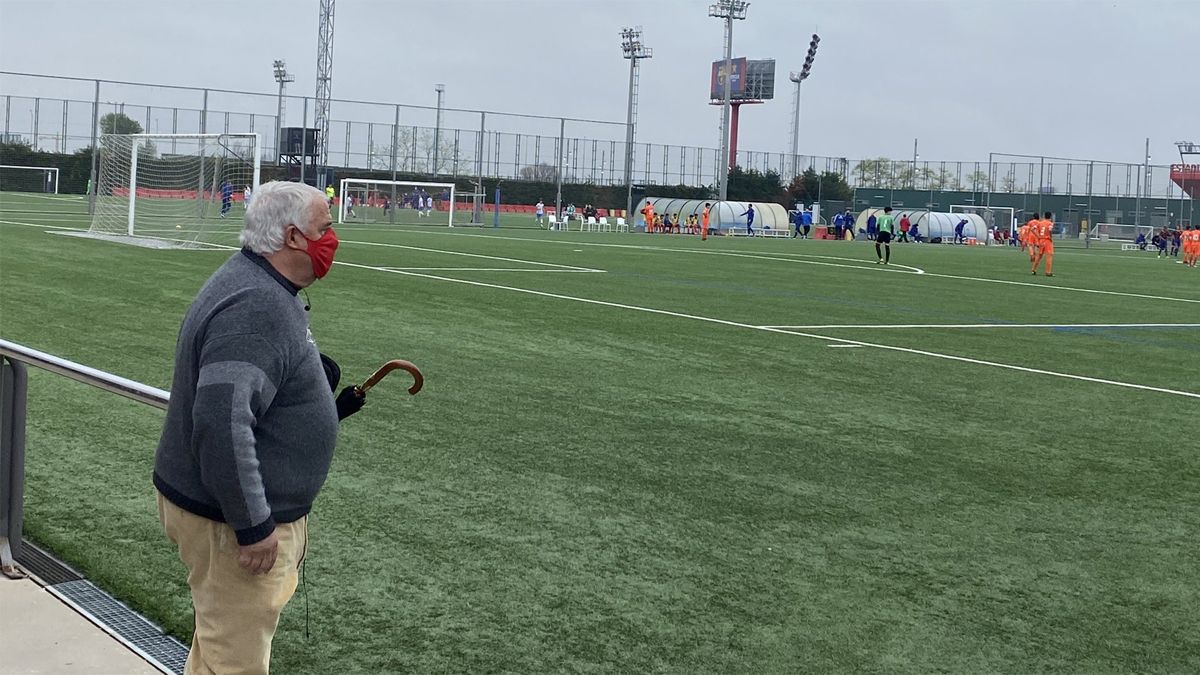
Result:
{"points": [[250, 430]]}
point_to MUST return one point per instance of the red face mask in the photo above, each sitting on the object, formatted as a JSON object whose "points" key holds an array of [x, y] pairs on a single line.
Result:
{"points": [[320, 251]]}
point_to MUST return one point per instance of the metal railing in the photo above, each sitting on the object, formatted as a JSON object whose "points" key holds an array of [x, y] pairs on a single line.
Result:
{"points": [[14, 381]]}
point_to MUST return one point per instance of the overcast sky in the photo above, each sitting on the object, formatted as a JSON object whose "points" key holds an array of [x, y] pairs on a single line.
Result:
{"points": [[1072, 78]]}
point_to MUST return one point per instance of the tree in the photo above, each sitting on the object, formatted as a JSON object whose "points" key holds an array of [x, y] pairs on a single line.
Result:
{"points": [[414, 153], [753, 186], [811, 187], [540, 172], [878, 173], [942, 179], [979, 181], [833, 187], [119, 123]]}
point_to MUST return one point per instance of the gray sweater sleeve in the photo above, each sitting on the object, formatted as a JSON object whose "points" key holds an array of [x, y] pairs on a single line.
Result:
{"points": [[239, 375]]}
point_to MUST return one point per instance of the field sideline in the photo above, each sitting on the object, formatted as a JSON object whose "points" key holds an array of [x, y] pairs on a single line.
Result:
{"points": [[649, 453]]}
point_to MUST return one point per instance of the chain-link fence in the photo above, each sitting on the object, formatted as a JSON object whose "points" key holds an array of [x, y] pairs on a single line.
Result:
{"points": [[61, 115], [64, 115], [1094, 203]]}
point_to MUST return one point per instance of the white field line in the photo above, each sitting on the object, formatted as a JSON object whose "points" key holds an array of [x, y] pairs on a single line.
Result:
{"points": [[1064, 288], [57, 198], [862, 264], [473, 255], [887, 326], [724, 322], [772, 257], [867, 267], [490, 269], [847, 346], [825, 338], [44, 226]]}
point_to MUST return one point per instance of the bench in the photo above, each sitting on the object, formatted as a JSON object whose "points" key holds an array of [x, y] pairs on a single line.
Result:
{"points": [[758, 232]]}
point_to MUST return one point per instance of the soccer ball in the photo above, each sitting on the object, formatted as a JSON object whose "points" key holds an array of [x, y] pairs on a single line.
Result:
{"points": [[179, 227]]}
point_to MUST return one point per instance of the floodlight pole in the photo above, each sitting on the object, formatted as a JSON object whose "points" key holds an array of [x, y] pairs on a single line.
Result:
{"points": [[1137, 214], [635, 51], [437, 128], [727, 10], [324, 88], [797, 79], [914, 166], [560, 163], [282, 76]]}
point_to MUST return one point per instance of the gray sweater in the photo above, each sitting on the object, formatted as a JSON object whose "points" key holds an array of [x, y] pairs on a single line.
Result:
{"points": [[251, 426]]}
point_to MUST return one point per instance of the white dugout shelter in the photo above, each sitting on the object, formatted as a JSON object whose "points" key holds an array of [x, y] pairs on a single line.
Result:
{"points": [[723, 216], [932, 223]]}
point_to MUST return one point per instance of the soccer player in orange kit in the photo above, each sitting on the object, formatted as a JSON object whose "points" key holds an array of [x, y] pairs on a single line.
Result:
{"points": [[1043, 234], [1191, 245], [1027, 233], [648, 214]]}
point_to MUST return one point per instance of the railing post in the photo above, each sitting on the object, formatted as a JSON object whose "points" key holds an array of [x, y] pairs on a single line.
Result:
{"points": [[13, 382]]}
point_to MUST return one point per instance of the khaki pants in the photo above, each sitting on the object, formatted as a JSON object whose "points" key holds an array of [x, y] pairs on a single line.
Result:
{"points": [[236, 612]]}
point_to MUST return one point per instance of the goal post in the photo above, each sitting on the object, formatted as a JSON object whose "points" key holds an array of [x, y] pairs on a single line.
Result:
{"points": [[1122, 232], [1002, 218], [36, 179], [472, 204], [174, 190], [388, 202]]}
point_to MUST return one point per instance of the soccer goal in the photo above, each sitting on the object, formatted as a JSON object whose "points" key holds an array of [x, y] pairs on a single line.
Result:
{"points": [[1120, 232], [387, 202], [38, 179], [470, 207], [1002, 218], [174, 190]]}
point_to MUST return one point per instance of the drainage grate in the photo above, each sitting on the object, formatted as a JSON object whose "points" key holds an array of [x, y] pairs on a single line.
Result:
{"points": [[131, 628], [44, 566]]}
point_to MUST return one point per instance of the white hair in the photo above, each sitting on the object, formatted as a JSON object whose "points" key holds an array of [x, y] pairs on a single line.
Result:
{"points": [[276, 205]]}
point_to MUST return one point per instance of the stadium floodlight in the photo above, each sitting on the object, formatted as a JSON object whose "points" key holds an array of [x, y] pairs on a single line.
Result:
{"points": [[796, 79], [282, 76], [729, 10], [635, 50]]}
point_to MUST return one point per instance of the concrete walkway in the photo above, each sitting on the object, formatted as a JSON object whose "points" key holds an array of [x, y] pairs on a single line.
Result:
{"points": [[41, 635]]}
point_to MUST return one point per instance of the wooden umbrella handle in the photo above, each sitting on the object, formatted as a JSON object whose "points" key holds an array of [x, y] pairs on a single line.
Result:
{"points": [[418, 378]]}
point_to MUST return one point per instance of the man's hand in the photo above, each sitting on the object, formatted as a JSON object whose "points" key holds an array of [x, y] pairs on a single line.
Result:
{"points": [[259, 557], [349, 402]]}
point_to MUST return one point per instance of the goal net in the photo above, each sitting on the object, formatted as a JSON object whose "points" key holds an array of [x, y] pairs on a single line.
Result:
{"points": [[1001, 218], [387, 202], [1120, 232], [38, 179], [468, 207], [174, 190]]}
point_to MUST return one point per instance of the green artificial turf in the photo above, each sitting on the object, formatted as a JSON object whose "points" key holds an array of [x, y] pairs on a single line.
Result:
{"points": [[586, 485]]}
